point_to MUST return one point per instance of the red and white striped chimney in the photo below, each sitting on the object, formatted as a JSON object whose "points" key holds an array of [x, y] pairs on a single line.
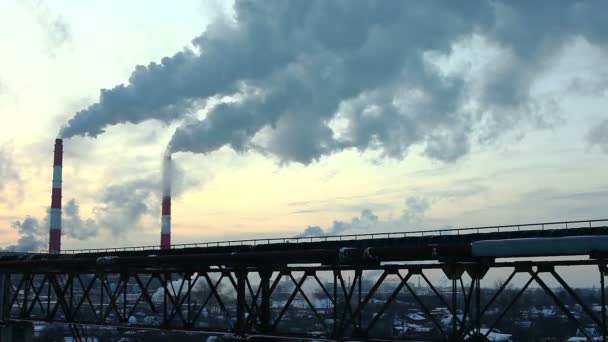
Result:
{"points": [[55, 228], [165, 233]]}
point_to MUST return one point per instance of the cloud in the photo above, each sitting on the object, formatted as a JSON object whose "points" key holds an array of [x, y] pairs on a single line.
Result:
{"points": [[122, 209], [455, 190], [56, 30], [598, 135], [560, 204], [306, 79], [416, 208], [8, 170], [10, 178], [33, 231], [74, 226], [413, 215], [124, 204], [31, 236], [364, 222], [313, 231]]}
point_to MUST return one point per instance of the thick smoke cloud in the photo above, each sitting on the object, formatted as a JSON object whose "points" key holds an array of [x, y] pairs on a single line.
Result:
{"points": [[598, 135], [364, 222], [309, 78]]}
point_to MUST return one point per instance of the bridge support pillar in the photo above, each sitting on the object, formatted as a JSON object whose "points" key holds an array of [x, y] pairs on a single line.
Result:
{"points": [[477, 272], [241, 324], [603, 273], [265, 306], [476, 283], [13, 332], [9, 331], [453, 272], [4, 294]]}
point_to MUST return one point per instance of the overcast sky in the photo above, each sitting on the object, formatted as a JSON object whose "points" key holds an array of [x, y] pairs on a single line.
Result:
{"points": [[292, 118]]}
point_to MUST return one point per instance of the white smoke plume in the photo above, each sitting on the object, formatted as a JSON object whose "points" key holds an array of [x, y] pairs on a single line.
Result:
{"points": [[309, 78], [124, 204], [167, 174]]}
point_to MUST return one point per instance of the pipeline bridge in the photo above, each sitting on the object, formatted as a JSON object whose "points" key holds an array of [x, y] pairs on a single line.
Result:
{"points": [[320, 288]]}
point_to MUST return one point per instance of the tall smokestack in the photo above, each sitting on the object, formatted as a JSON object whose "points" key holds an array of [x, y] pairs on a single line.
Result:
{"points": [[55, 228], [165, 233]]}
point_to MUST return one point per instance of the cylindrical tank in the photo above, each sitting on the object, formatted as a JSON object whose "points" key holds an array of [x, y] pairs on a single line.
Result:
{"points": [[528, 247]]}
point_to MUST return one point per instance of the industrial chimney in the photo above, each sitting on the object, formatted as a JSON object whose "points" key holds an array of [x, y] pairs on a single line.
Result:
{"points": [[165, 233], [55, 228]]}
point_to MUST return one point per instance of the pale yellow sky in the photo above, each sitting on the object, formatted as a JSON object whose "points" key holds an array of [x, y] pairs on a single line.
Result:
{"points": [[239, 196]]}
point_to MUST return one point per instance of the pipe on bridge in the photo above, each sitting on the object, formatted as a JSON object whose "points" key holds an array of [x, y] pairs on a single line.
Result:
{"points": [[320, 256]]}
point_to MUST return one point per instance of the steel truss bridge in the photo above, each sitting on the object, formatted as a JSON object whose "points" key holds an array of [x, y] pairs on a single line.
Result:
{"points": [[316, 288]]}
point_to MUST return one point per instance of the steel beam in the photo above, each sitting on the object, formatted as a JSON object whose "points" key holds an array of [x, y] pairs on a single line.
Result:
{"points": [[111, 296]]}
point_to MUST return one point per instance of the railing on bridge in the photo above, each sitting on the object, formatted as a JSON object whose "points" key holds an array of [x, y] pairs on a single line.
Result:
{"points": [[367, 236]]}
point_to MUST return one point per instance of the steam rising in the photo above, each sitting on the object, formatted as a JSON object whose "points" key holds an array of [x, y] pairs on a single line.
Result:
{"points": [[124, 204], [167, 172], [309, 78]]}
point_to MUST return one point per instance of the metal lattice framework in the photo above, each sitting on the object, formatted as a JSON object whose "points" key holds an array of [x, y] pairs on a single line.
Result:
{"points": [[328, 287], [332, 301]]}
